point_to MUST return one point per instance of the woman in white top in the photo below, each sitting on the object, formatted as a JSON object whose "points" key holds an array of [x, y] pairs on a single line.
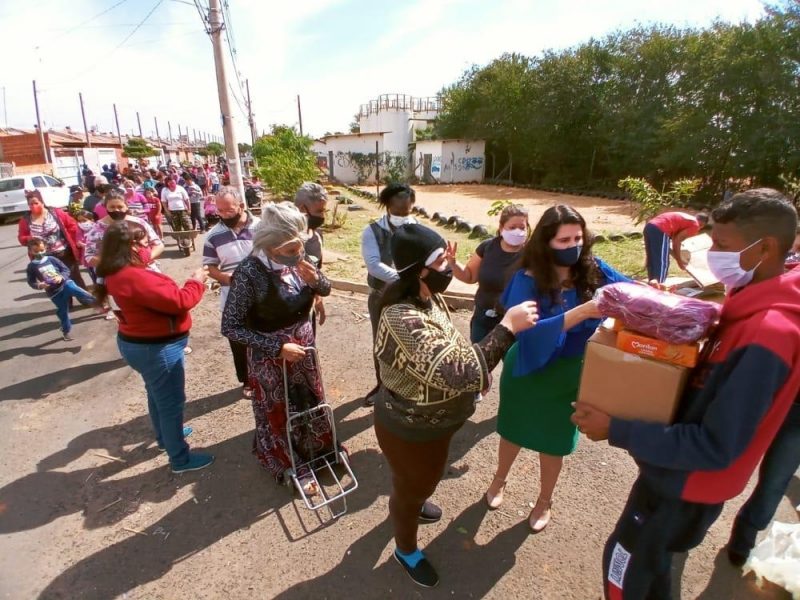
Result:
{"points": [[175, 200]]}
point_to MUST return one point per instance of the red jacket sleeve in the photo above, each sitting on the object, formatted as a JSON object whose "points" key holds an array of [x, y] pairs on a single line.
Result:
{"points": [[70, 228], [160, 293], [23, 232]]}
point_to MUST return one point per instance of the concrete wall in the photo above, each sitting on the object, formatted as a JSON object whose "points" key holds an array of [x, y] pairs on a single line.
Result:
{"points": [[397, 125], [463, 161], [434, 149], [342, 167]]}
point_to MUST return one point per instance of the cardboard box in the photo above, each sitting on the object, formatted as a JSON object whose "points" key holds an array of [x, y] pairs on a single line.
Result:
{"points": [[694, 252], [629, 386], [684, 355]]}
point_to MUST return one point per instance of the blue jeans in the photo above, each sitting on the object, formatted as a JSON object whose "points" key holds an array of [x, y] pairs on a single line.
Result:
{"points": [[777, 468], [480, 326], [61, 299], [162, 368]]}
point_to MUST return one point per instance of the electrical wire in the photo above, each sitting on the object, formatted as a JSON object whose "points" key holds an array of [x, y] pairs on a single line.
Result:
{"points": [[98, 15]]}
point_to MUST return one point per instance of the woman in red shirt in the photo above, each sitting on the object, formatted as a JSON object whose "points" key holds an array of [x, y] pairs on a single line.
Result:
{"points": [[154, 323]]}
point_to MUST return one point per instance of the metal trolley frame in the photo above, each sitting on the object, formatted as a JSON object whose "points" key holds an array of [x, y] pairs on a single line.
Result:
{"points": [[318, 465]]}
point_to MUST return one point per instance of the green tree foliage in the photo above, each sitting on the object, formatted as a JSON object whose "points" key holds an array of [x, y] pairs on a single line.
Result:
{"points": [[138, 148], [212, 149], [244, 148], [285, 160], [658, 103], [649, 202]]}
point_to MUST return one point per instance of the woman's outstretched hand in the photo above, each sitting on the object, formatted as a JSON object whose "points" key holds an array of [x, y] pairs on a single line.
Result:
{"points": [[292, 352], [521, 317]]}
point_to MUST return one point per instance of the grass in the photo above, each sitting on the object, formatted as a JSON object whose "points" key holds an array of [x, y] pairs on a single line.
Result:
{"points": [[346, 240], [626, 256]]}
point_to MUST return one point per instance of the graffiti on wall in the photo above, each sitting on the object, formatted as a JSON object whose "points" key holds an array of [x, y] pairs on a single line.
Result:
{"points": [[469, 163]]}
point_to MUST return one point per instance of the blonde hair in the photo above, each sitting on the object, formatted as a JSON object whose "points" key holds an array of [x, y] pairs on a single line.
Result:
{"points": [[281, 223]]}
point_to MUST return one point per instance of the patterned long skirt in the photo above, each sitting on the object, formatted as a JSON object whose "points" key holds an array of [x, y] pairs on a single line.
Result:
{"points": [[309, 439]]}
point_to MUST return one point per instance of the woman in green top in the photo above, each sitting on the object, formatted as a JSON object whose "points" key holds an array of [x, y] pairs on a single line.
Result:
{"points": [[540, 374], [429, 378]]}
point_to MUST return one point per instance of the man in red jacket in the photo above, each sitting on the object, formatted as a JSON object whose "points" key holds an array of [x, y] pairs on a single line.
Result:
{"points": [[736, 400]]}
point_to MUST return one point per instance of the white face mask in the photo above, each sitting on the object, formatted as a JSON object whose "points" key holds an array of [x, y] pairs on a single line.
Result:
{"points": [[514, 237], [726, 266], [399, 221]]}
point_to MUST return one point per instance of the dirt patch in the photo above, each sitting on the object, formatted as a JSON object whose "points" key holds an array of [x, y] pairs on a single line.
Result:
{"points": [[472, 201]]}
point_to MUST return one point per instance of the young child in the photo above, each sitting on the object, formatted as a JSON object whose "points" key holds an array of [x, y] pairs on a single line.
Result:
{"points": [[733, 406], [152, 207], [210, 210], [86, 220], [51, 275]]}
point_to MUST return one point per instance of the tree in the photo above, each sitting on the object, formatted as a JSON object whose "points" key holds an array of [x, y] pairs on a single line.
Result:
{"points": [[285, 160], [213, 149], [138, 148], [245, 148]]}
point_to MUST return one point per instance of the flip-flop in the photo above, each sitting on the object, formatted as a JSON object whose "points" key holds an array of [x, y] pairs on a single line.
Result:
{"points": [[247, 392], [188, 350]]}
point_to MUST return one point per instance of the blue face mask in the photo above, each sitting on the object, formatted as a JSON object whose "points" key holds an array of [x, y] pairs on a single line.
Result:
{"points": [[567, 257]]}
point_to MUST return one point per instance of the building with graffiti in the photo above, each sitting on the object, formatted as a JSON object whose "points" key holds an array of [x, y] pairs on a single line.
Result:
{"points": [[385, 146], [450, 161]]}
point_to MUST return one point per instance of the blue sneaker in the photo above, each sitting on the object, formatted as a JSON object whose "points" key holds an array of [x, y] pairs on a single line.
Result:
{"points": [[197, 461], [187, 431]]}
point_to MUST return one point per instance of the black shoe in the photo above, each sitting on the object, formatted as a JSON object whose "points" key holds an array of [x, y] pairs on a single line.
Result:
{"points": [[737, 559], [430, 513], [369, 399], [423, 574]]}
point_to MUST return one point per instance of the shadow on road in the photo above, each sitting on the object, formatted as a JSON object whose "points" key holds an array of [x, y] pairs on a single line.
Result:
{"points": [[41, 386]]}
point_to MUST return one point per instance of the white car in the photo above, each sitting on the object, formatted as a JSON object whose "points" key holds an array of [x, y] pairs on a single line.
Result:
{"points": [[12, 192]]}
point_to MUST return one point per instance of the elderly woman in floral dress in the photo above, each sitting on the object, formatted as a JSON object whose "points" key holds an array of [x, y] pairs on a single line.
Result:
{"points": [[268, 309]]}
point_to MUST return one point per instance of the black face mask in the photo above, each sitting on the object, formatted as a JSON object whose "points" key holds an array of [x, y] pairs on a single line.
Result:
{"points": [[117, 215], [315, 221], [232, 221], [567, 257], [438, 281]]}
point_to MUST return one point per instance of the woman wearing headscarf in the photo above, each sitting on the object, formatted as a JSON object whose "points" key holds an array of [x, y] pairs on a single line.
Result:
{"points": [[268, 310], [430, 375]]}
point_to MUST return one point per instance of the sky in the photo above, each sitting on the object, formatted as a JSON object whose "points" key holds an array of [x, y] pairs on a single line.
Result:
{"points": [[154, 57]]}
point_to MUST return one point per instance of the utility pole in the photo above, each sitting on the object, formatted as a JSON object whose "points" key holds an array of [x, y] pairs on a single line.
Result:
{"points": [[5, 109], [250, 120], [215, 26], [169, 127], [158, 135], [116, 120], [299, 114], [194, 136], [83, 114], [139, 121], [45, 153]]}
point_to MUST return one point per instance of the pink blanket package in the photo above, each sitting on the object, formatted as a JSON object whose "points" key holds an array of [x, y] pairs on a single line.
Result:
{"points": [[669, 317]]}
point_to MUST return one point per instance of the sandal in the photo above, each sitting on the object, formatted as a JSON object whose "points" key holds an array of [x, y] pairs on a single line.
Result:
{"points": [[494, 502], [187, 350], [309, 487], [539, 524], [247, 392]]}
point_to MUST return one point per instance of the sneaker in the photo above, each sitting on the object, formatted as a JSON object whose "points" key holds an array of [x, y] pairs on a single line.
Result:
{"points": [[197, 461], [67, 337], [423, 574], [187, 431], [430, 513]]}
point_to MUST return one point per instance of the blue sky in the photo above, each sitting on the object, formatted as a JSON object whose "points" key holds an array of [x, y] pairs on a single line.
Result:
{"points": [[337, 54]]}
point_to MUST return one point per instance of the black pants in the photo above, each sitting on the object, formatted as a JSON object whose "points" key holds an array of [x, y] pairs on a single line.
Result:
{"points": [[239, 352], [638, 556], [197, 216], [73, 265], [374, 308]]}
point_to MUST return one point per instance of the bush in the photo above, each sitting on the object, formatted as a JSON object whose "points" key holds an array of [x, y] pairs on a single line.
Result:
{"points": [[285, 160]]}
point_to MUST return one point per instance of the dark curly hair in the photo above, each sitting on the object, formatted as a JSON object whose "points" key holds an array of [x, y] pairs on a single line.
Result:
{"points": [[394, 189], [537, 255]]}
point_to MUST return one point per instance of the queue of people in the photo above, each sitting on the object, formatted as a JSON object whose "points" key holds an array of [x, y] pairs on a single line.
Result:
{"points": [[534, 311]]}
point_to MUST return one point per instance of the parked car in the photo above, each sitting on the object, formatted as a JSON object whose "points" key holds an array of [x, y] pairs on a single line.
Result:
{"points": [[12, 192]]}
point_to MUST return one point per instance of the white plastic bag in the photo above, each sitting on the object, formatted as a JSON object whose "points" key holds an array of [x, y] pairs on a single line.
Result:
{"points": [[777, 558]]}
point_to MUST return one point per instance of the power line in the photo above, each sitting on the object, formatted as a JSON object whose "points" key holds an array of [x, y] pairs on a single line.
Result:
{"points": [[98, 15]]}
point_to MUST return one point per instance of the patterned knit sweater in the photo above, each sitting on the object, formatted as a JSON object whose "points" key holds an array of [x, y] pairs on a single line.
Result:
{"points": [[430, 372]]}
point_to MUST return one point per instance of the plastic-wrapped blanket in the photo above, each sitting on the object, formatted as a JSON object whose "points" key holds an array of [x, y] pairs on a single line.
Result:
{"points": [[669, 317], [777, 558]]}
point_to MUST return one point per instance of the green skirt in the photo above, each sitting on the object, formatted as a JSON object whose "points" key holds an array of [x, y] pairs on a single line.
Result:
{"points": [[535, 409]]}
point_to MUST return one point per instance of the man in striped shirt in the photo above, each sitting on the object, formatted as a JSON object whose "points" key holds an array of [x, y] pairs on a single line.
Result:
{"points": [[227, 244]]}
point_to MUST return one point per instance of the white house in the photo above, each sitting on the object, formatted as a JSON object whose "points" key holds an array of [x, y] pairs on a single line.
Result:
{"points": [[450, 161]]}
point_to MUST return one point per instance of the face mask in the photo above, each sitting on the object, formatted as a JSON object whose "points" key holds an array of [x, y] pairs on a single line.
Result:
{"points": [[289, 261], [232, 222], [144, 254], [85, 225], [726, 266], [117, 215], [567, 257], [399, 221], [36, 209], [514, 237], [39, 255], [438, 281], [315, 221]]}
